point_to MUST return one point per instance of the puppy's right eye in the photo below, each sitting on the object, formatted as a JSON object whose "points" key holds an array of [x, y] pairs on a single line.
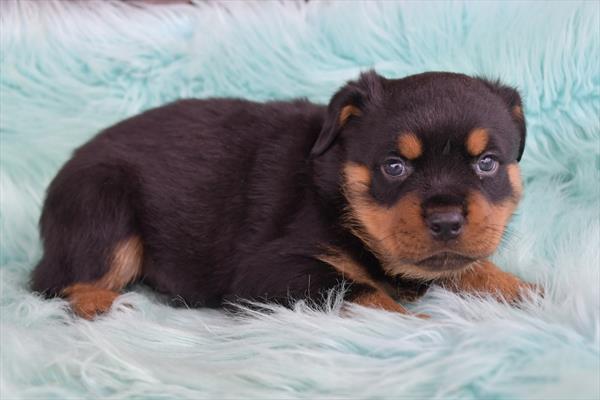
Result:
{"points": [[394, 167], [486, 165]]}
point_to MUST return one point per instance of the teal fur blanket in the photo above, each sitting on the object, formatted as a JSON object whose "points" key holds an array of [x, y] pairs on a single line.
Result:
{"points": [[69, 69]]}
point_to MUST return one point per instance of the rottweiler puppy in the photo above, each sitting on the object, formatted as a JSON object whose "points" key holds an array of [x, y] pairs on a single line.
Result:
{"points": [[395, 185]]}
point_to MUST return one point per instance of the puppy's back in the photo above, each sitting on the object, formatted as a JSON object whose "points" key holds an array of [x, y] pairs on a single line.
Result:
{"points": [[189, 184]]}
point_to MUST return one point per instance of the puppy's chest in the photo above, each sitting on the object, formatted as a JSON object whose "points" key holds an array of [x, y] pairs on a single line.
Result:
{"points": [[357, 264], [401, 289]]}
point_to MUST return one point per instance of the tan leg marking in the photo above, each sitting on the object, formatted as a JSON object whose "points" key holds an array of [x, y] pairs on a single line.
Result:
{"points": [[87, 301], [486, 278], [380, 300], [92, 298], [126, 265]]}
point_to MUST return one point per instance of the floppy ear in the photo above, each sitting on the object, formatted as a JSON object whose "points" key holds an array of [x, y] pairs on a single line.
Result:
{"points": [[349, 102], [512, 99]]}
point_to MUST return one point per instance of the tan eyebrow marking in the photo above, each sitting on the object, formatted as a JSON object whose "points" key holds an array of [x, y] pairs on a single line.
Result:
{"points": [[410, 146], [477, 141], [348, 111]]}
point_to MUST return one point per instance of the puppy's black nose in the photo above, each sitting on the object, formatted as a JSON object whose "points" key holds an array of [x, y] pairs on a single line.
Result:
{"points": [[445, 225]]}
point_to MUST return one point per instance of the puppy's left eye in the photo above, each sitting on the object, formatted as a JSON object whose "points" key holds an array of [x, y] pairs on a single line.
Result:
{"points": [[486, 165], [395, 167]]}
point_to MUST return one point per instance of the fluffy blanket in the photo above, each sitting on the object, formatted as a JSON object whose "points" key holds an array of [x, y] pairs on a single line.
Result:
{"points": [[69, 69]]}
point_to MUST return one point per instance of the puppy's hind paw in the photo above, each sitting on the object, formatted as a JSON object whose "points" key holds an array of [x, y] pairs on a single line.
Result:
{"points": [[88, 301]]}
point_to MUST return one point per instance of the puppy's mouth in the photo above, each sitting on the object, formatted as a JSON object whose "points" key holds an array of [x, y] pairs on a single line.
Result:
{"points": [[445, 261]]}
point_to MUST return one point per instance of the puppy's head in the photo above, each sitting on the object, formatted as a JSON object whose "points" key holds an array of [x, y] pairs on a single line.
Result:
{"points": [[428, 167]]}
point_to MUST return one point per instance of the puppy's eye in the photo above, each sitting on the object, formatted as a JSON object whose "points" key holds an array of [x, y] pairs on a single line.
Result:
{"points": [[394, 167], [486, 165]]}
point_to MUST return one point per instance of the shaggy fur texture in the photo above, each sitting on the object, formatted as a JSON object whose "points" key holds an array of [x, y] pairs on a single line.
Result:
{"points": [[66, 71]]}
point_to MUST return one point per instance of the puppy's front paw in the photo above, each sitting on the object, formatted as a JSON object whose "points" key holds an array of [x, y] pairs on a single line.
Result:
{"points": [[487, 279], [530, 289], [514, 290]]}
